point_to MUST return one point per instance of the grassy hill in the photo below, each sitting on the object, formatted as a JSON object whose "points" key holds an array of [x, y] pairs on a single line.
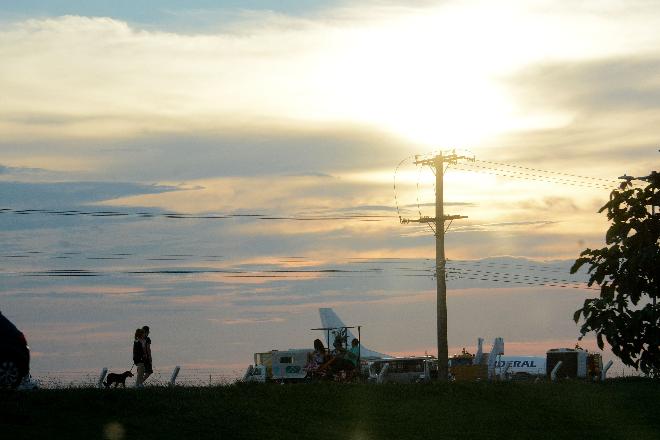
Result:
{"points": [[617, 409]]}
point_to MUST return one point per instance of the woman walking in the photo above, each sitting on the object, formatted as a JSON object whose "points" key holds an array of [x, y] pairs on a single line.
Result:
{"points": [[148, 361], [139, 356]]}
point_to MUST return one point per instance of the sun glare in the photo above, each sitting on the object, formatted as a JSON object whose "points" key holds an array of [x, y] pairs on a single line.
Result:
{"points": [[417, 80]]}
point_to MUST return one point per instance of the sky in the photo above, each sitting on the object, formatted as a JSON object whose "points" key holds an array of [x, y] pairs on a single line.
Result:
{"points": [[219, 170]]}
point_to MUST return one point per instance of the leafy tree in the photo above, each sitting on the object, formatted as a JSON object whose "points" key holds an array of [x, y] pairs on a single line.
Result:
{"points": [[628, 273]]}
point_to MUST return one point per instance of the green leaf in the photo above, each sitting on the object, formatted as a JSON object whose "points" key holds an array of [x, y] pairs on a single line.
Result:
{"points": [[576, 315]]}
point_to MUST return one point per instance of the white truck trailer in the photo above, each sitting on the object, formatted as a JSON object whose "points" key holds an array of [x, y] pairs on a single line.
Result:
{"points": [[279, 366]]}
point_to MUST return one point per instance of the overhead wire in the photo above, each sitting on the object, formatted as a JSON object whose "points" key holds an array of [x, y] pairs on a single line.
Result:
{"points": [[171, 215], [548, 171], [396, 200], [489, 263], [526, 176], [474, 270], [419, 208], [450, 265], [525, 264], [490, 167], [517, 276], [450, 269], [487, 167], [477, 277]]}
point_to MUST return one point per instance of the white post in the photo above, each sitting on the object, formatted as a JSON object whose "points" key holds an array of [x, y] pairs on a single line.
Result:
{"points": [[427, 371], [603, 373], [493, 361], [553, 373], [505, 370], [248, 373], [480, 352], [104, 371], [175, 373]]}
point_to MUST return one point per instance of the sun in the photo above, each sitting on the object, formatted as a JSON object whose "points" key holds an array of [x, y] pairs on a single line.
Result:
{"points": [[436, 78], [409, 78]]}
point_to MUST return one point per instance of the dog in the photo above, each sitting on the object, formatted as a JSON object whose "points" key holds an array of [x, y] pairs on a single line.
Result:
{"points": [[117, 379]]}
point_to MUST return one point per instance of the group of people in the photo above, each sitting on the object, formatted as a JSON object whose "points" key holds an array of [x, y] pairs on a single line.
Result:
{"points": [[142, 355], [331, 364]]}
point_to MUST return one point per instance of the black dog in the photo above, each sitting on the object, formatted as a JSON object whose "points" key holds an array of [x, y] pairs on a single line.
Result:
{"points": [[117, 379]]}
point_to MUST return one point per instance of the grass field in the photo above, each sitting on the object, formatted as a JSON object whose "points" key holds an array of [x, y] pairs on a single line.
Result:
{"points": [[617, 409]]}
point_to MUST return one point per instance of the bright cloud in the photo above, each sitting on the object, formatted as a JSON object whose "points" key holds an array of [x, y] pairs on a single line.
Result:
{"points": [[429, 75]]}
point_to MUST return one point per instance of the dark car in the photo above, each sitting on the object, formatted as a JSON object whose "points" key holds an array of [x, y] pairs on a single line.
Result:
{"points": [[14, 354]]}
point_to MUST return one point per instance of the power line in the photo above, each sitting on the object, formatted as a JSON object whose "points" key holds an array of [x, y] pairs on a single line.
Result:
{"points": [[190, 216], [294, 273], [613, 181], [508, 278], [517, 263], [529, 266], [396, 201], [527, 176], [486, 171], [121, 256], [520, 276]]}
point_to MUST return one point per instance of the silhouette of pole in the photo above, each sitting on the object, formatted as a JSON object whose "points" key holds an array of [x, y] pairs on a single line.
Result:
{"points": [[441, 284], [437, 223]]}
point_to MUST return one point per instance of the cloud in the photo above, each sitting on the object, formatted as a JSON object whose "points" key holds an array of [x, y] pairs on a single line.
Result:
{"points": [[509, 225], [268, 150], [610, 86], [70, 194], [612, 103], [157, 81], [427, 205], [19, 170], [243, 321], [557, 203], [200, 81]]}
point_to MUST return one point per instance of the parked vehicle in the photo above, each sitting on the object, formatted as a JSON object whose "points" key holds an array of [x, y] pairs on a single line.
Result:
{"points": [[279, 366], [412, 369], [575, 363], [14, 354], [342, 363]]}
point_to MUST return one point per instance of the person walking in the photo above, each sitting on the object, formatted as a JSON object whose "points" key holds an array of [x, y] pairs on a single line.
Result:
{"points": [[139, 356], [148, 362]]}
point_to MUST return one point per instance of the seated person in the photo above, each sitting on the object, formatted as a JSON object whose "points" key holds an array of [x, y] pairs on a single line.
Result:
{"points": [[338, 344], [316, 358], [319, 352], [353, 353], [347, 360]]}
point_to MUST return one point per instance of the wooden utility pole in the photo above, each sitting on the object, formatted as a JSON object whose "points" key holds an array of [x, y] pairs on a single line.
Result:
{"points": [[437, 166], [440, 267]]}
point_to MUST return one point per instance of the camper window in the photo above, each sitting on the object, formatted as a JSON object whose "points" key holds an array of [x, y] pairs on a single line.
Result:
{"points": [[286, 360]]}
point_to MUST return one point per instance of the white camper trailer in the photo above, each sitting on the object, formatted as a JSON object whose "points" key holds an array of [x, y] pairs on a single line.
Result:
{"points": [[279, 366]]}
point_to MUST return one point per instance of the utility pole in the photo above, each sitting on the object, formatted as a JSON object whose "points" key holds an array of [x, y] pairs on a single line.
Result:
{"points": [[437, 165]]}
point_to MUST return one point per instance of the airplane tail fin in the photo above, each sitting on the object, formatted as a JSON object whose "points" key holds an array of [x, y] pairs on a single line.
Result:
{"points": [[329, 319]]}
